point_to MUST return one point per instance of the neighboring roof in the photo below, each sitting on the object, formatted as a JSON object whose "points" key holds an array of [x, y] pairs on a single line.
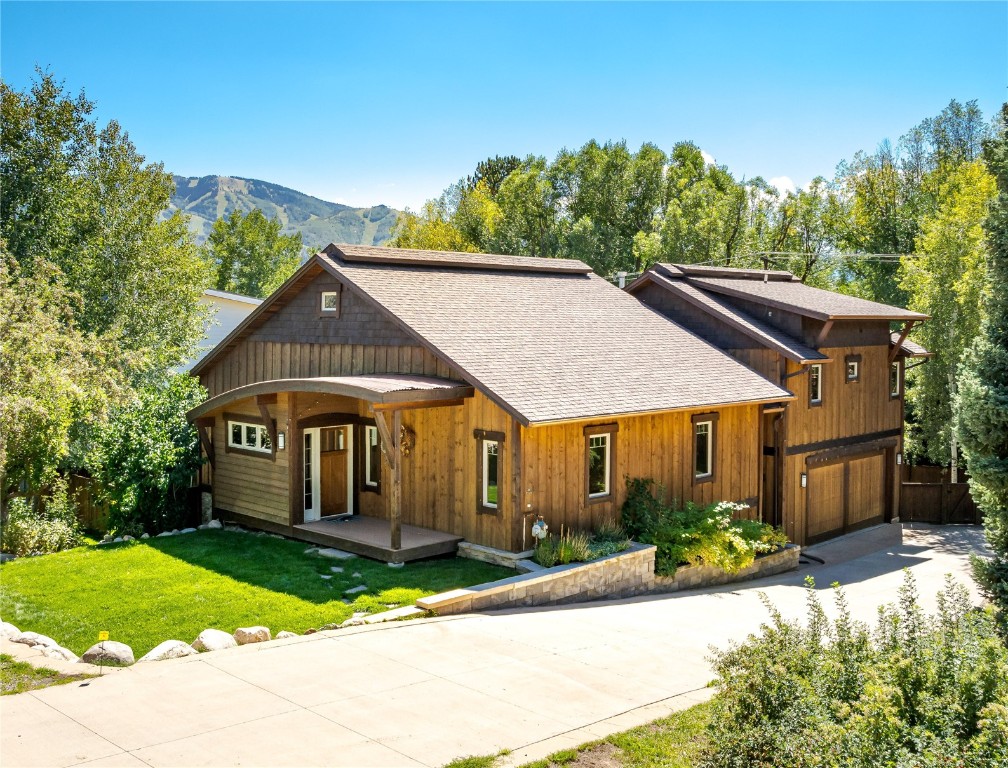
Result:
{"points": [[755, 329], [546, 344], [232, 297], [384, 389], [795, 296], [910, 348]]}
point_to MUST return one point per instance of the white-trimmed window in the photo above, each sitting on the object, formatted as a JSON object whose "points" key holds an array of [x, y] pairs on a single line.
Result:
{"points": [[249, 437], [895, 388], [815, 384], [599, 464], [489, 492], [703, 454], [330, 306], [372, 457]]}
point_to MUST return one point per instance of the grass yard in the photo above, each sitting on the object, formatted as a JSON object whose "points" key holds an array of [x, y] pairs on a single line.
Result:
{"points": [[20, 676], [672, 742], [173, 588]]}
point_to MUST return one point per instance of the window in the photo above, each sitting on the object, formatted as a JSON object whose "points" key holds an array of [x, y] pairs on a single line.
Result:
{"points": [[488, 451], [894, 379], [372, 458], [704, 446], [249, 437], [853, 368], [330, 306], [600, 461], [490, 488], [815, 384]]}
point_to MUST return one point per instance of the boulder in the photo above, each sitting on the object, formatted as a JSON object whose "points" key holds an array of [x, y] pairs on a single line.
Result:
{"points": [[145, 535], [213, 640], [128, 538], [8, 630], [109, 652], [355, 590], [283, 634], [169, 649], [34, 638], [165, 533], [215, 524], [61, 653], [188, 530], [246, 635], [117, 540]]}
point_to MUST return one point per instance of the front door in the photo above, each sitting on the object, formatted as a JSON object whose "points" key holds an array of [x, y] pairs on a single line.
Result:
{"points": [[336, 471]]}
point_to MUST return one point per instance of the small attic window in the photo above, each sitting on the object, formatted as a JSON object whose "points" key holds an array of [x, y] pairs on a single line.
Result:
{"points": [[330, 304]]}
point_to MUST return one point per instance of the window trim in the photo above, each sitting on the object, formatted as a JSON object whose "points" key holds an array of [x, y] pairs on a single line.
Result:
{"points": [[898, 363], [815, 402], [856, 360], [484, 436], [594, 430], [695, 420], [247, 420], [335, 312], [365, 485]]}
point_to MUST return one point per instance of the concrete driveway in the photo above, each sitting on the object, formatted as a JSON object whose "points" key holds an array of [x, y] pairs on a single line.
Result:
{"points": [[425, 692]]}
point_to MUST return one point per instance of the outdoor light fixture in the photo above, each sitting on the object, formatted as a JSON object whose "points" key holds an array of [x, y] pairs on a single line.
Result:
{"points": [[899, 458], [804, 480], [281, 440]]}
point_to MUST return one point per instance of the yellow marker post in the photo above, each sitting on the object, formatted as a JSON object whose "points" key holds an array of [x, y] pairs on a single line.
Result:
{"points": [[102, 637]]}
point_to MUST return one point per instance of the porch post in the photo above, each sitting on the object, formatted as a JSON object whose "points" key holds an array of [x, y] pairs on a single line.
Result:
{"points": [[395, 514]]}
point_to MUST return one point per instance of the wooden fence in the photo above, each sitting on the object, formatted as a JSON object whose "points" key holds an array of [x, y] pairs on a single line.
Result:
{"points": [[92, 515], [928, 496]]}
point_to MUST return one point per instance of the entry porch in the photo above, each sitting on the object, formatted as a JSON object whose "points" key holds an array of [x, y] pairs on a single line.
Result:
{"points": [[369, 537]]}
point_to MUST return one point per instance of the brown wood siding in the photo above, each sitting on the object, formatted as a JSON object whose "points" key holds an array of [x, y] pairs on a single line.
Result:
{"points": [[703, 324], [766, 362], [251, 485], [659, 447]]}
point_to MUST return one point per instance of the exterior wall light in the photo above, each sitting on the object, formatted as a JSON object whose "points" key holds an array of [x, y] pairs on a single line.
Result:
{"points": [[899, 458], [804, 480], [281, 440]]}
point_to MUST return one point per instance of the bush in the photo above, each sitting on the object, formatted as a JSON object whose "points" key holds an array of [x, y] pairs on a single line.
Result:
{"points": [[918, 691], [696, 534], [51, 529], [579, 547]]}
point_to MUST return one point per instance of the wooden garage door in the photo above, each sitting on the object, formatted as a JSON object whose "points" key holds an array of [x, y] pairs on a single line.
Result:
{"points": [[845, 494]]}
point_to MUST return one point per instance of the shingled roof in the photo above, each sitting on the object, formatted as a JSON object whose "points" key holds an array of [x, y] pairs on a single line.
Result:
{"points": [[545, 338], [909, 348]]}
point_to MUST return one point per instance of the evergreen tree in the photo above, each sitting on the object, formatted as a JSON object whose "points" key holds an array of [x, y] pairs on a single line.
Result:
{"points": [[982, 404]]}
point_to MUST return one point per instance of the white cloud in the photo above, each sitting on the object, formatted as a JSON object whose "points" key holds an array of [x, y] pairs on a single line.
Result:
{"points": [[708, 157], [784, 184]]}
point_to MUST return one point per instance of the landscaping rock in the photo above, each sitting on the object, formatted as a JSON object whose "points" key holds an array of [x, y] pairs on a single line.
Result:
{"points": [[356, 575], [339, 554], [8, 630], [175, 531], [165, 533], [355, 590], [188, 530], [33, 639], [325, 575], [284, 634], [61, 653], [169, 649], [357, 618], [215, 524], [145, 536], [396, 565], [246, 635], [117, 540], [336, 569], [128, 538], [213, 640], [108, 652]]}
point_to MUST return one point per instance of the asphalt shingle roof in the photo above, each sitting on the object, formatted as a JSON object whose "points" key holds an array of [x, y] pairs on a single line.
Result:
{"points": [[910, 348], [551, 346]]}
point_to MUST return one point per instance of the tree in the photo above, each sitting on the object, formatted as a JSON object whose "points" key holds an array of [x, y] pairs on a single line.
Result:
{"points": [[981, 405], [948, 281], [52, 375], [248, 255], [84, 200]]}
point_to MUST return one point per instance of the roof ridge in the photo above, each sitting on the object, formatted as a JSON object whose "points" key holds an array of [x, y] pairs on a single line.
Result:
{"points": [[373, 254]]}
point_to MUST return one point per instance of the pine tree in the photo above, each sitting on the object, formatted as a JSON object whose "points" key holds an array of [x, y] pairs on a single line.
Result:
{"points": [[982, 404]]}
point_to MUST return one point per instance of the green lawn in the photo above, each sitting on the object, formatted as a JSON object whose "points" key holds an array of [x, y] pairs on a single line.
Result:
{"points": [[672, 742], [146, 592], [20, 676]]}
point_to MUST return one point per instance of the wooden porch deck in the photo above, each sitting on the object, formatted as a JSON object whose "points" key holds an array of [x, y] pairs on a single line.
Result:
{"points": [[369, 537]]}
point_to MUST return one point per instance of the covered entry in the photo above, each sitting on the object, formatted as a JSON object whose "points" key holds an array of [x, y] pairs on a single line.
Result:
{"points": [[846, 491]]}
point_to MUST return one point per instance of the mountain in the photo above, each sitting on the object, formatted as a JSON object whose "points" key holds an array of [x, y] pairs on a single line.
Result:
{"points": [[207, 198]]}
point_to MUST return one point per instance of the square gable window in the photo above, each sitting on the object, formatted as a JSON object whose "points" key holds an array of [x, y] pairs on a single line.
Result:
{"points": [[330, 303], [853, 368]]}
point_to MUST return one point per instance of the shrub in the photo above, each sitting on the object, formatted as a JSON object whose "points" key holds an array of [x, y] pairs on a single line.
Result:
{"points": [[696, 534], [918, 691], [580, 547], [52, 527]]}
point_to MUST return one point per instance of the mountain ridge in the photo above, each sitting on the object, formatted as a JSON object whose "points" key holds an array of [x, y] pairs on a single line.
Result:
{"points": [[208, 198]]}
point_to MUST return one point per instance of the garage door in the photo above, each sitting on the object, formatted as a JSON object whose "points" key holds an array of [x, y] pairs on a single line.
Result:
{"points": [[845, 494]]}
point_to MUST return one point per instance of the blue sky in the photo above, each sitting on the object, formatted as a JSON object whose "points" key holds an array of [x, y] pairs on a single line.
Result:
{"points": [[391, 102]]}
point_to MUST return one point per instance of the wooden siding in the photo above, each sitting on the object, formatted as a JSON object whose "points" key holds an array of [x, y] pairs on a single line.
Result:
{"points": [[703, 324], [766, 362], [251, 485]]}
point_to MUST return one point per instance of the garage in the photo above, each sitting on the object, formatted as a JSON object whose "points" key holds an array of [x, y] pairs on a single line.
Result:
{"points": [[844, 493]]}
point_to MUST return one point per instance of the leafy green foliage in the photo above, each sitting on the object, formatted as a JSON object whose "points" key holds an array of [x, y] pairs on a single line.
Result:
{"points": [[249, 256], [579, 546], [52, 527], [981, 407], [146, 456], [695, 534], [180, 585], [918, 691]]}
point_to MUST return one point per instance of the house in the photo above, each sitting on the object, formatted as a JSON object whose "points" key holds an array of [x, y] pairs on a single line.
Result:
{"points": [[229, 309], [830, 456], [393, 402]]}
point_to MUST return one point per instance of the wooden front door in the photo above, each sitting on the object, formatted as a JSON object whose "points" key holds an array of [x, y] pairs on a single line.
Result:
{"points": [[335, 470]]}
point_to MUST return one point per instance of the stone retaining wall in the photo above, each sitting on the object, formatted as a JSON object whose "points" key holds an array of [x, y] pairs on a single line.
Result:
{"points": [[625, 574]]}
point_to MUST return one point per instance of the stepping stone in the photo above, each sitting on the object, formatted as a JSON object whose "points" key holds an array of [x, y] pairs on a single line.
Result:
{"points": [[356, 575], [355, 590], [311, 551], [339, 554], [326, 576], [396, 565], [336, 569]]}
